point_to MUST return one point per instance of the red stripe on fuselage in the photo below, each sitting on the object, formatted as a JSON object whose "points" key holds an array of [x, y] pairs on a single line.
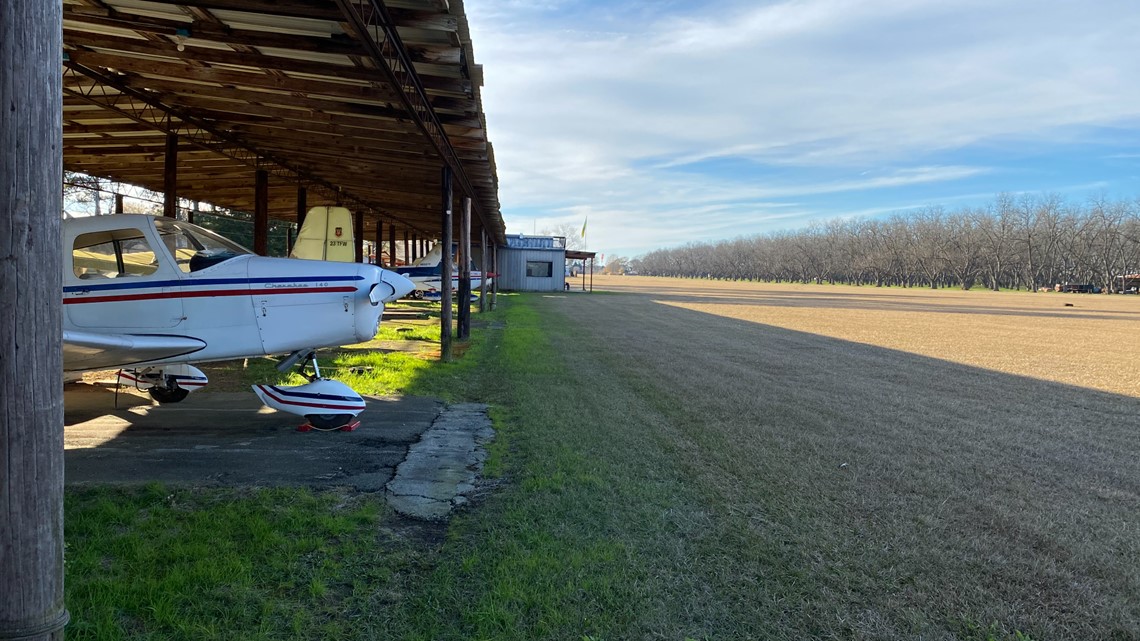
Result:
{"points": [[209, 294], [323, 406]]}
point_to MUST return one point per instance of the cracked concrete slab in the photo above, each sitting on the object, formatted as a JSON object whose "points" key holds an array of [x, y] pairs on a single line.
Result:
{"points": [[442, 468]]}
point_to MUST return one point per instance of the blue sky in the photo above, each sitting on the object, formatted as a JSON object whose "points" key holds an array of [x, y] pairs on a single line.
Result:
{"points": [[667, 122]]}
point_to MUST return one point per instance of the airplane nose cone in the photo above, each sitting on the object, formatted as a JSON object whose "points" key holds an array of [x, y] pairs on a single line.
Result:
{"points": [[389, 287], [402, 285]]}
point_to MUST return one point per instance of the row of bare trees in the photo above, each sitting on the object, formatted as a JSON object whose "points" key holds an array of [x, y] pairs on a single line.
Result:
{"points": [[1017, 242]]}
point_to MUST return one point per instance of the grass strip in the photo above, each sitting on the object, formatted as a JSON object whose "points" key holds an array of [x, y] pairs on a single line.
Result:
{"points": [[159, 563]]}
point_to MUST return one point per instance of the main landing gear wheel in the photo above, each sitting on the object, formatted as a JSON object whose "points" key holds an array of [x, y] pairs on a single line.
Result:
{"points": [[417, 294], [329, 421], [168, 394]]}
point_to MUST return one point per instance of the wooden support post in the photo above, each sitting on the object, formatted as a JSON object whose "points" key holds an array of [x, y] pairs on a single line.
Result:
{"points": [[358, 234], [495, 283], [302, 205], [407, 249], [392, 244], [445, 268], [118, 203], [483, 271], [170, 177], [261, 212], [465, 270], [288, 240], [193, 213], [415, 248], [379, 242], [31, 403]]}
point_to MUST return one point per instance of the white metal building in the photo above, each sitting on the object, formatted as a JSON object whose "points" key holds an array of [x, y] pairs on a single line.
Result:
{"points": [[533, 263]]}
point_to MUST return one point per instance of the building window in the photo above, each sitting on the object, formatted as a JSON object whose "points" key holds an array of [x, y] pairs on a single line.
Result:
{"points": [[539, 269]]}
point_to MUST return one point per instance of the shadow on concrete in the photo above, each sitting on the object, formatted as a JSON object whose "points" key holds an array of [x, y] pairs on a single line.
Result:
{"points": [[231, 439]]}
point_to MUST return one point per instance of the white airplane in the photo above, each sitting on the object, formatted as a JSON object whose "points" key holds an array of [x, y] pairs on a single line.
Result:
{"points": [[425, 275], [153, 295]]}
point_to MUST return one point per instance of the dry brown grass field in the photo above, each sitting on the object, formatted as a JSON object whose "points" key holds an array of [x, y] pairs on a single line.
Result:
{"points": [[878, 463], [1093, 343]]}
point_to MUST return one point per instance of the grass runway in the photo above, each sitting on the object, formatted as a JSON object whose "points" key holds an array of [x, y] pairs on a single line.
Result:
{"points": [[693, 460]]}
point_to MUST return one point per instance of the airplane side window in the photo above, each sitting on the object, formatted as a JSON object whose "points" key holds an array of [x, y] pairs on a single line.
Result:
{"points": [[195, 248], [138, 257], [112, 254]]}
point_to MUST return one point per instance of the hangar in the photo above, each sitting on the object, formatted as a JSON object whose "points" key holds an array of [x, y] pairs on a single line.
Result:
{"points": [[265, 106], [274, 106]]}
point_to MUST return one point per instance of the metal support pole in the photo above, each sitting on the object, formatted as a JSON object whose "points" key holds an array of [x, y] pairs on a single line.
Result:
{"points": [[465, 270], [118, 203], [31, 288], [445, 268], [261, 213], [170, 177]]}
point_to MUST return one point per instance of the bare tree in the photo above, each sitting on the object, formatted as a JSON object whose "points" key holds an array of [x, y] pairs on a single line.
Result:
{"points": [[571, 232]]}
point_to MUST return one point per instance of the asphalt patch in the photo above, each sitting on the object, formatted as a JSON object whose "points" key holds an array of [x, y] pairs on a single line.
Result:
{"points": [[230, 439]]}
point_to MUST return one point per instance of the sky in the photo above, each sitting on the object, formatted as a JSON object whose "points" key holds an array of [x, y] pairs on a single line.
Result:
{"points": [[665, 122]]}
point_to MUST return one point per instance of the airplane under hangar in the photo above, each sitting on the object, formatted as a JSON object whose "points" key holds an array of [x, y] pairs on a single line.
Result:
{"points": [[269, 107], [276, 107]]}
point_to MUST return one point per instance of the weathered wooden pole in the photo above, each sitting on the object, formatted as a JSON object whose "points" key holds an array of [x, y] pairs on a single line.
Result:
{"points": [[407, 250], [483, 270], [415, 247], [392, 243], [380, 242], [170, 177], [465, 270], [358, 235], [445, 268], [118, 203], [261, 212], [495, 283], [31, 368]]}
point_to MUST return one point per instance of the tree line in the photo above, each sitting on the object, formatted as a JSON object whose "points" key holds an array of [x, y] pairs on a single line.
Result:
{"points": [[1015, 242]]}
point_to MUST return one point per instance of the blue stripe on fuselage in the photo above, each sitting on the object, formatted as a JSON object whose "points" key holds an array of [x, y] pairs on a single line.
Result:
{"points": [[196, 282]]}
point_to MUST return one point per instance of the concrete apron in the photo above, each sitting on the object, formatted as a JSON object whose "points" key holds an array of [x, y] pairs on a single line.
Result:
{"points": [[230, 439], [441, 469]]}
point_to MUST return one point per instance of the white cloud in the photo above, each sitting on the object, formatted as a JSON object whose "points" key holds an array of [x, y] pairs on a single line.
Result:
{"points": [[588, 111]]}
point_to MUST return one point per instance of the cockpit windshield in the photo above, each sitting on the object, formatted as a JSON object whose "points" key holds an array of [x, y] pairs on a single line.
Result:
{"points": [[195, 248]]}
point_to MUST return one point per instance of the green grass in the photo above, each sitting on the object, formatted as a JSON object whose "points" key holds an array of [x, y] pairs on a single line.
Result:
{"points": [[158, 563]]}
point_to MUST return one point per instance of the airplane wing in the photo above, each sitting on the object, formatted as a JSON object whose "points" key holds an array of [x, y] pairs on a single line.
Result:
{"points": [[92, 350]]}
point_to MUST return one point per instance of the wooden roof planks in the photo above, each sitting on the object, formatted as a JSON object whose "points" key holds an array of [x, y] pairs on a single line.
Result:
{"points": [[317, 92]]}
